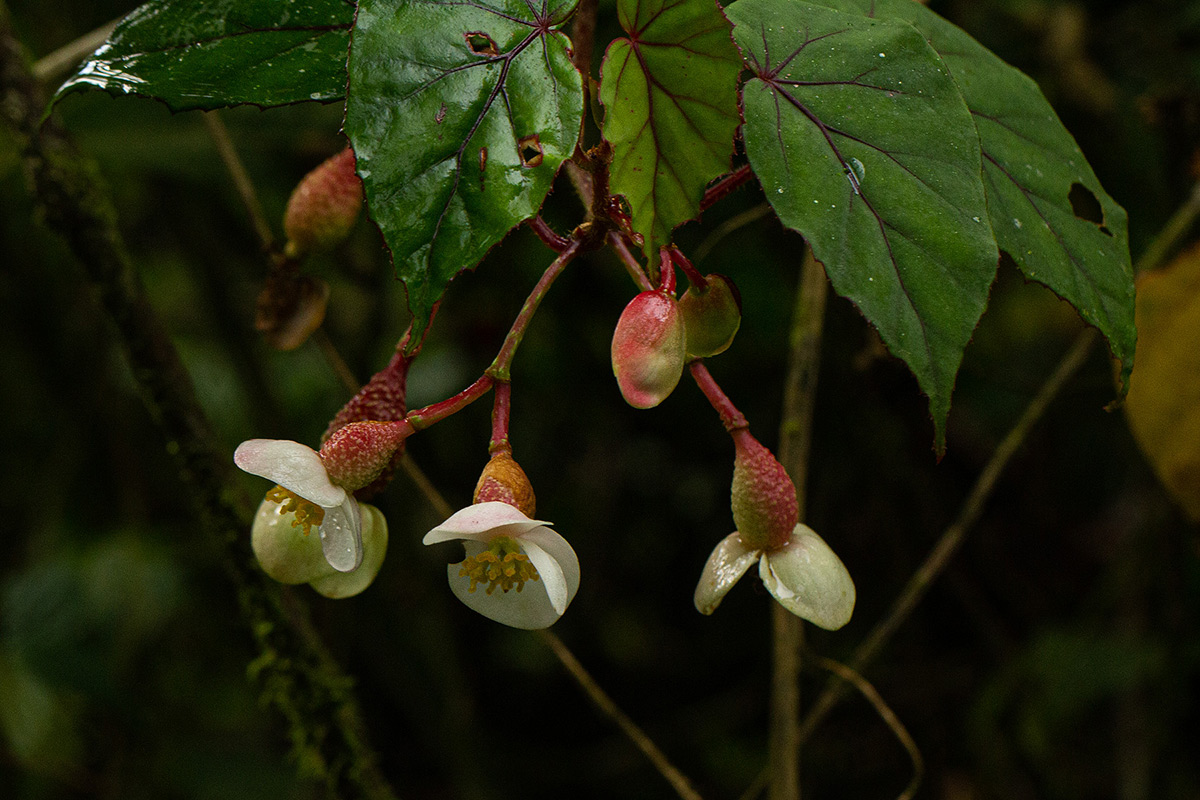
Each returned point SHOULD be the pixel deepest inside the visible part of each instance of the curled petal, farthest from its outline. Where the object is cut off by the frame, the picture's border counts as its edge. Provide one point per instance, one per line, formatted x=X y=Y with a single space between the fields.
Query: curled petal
x=556 y=563
x=341 y=536
x=293 y=466
x=482 y=522
x=809 y=580
x=337 y=585
x=728 y=563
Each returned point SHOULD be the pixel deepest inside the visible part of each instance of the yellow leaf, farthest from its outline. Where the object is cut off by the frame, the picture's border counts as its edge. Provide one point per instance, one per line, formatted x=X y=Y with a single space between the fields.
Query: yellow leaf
x=1163 y=405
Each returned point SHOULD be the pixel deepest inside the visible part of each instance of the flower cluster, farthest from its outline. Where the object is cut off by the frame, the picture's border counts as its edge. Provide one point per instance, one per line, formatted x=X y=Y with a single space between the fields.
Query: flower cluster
x=514 y=568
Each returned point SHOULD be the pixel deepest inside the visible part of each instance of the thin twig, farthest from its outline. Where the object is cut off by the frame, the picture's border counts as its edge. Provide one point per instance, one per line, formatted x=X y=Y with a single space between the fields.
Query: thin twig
x=608 y=708
x=727 y=227
x=241 y=179
x=426 y=487
x=50 y=68
x=935 y=563
x=334 y=358
x=886 y=714
x=1172 y=233
x=795 y=435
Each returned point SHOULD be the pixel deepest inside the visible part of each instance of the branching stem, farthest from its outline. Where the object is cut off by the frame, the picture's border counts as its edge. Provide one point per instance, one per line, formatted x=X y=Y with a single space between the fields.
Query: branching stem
x=500 y=367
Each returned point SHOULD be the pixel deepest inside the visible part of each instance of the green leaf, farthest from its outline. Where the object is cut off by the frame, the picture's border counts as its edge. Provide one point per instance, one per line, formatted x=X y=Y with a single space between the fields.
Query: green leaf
x=863 y=144
x=207 y=55
x=1047 y=208
x=670 y=97
x=460 y=114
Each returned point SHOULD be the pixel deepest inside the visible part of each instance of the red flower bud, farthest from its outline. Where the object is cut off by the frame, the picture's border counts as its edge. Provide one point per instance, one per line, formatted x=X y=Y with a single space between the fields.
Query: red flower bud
x=357 y=453
x=324 y=206
x=765 y=508
x=648 y=349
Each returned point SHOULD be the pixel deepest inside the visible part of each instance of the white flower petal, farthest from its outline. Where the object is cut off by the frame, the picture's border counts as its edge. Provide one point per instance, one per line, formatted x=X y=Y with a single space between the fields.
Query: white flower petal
x=809 y=580
x=482 y=522
x=726 y=565
x=337 y=585
x=563 y=554
x=293 y=466
x=529 y=609
x=550 y=574
x=341 y=536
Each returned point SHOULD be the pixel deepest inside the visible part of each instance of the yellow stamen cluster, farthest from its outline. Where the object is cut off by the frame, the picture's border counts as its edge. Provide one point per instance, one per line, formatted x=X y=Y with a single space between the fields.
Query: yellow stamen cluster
x=307 y=513
x=502 y=564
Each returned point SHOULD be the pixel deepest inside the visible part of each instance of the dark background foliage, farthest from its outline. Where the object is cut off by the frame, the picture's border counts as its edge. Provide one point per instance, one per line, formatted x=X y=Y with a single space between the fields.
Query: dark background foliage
x=1058 y=657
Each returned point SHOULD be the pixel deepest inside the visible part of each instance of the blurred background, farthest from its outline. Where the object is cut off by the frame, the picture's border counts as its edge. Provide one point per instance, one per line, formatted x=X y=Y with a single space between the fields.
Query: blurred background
x=1058 y=657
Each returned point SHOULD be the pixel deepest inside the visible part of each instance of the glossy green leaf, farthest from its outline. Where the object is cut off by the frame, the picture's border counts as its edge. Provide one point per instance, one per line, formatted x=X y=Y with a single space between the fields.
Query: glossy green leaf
x=1047 y=207
x=205 y=54
x=863 y=144
x=670 y=97
x=460 y=115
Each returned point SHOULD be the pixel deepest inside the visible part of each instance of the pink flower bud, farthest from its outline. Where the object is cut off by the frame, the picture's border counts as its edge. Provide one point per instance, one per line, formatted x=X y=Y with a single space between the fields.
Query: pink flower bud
x=711 y=316
x=648 y=349
x=324 y=206
x=765 y=509
x=358 y=453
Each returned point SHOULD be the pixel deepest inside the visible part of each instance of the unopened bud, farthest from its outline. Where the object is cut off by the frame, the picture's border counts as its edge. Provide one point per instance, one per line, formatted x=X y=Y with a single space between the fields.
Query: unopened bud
x=357 y=453
x=324 y=206
x=648 y=349
x=765 y=508
x=504 y=480
x=711 y=316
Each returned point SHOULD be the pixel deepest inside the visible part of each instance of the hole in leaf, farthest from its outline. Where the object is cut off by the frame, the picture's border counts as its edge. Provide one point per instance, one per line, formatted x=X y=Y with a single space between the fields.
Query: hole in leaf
x=1085 y=206
x=530 y=148
x=481 y=44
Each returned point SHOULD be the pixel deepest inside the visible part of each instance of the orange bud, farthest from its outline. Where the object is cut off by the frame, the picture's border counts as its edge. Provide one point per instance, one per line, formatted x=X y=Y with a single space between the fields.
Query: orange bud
x=504 y=480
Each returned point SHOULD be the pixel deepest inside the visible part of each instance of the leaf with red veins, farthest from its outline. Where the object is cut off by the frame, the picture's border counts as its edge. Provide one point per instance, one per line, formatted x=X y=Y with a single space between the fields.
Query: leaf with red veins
x=670 y=98
x=460 y=113
x=864 y=145
x=1046 y=206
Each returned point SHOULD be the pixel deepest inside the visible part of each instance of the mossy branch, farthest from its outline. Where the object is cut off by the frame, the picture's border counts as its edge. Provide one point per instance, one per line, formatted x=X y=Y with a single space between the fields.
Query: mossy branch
x=293 y=671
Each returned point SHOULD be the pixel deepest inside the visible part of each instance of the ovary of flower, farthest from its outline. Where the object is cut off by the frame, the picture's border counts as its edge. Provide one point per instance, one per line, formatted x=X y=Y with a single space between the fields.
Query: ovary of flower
x=804 y=575
x=313 y=497
x=516 y=572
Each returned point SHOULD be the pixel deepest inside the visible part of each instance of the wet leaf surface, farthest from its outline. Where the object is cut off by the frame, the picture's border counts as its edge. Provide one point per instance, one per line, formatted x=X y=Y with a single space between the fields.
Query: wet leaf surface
x=863 y=144
x=1046 y=206
x=460 y=130
x=208 y=55
x=670 y=97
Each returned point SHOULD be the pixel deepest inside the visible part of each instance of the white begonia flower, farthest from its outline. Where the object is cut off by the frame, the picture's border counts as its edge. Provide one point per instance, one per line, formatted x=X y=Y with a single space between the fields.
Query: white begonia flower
x=804 y=575
x=305 y=490
x=516 y=572
x=295 y=556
